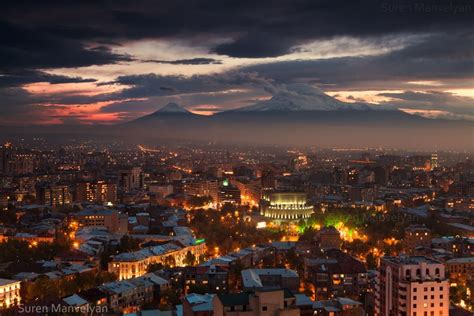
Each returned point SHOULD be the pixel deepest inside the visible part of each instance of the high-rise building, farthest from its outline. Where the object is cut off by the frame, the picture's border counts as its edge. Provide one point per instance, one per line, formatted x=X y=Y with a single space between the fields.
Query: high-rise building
x=96 y=191
x=53 y=195
x=434 y=161
x=131 y=179
x=411 y=286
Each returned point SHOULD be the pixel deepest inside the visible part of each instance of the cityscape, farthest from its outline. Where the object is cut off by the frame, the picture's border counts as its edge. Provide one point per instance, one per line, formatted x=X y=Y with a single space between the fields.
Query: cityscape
x=237 y=158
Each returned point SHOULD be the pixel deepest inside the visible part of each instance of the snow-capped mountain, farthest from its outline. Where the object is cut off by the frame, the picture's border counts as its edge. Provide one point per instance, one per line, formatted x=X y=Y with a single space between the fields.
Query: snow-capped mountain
x=301 y=97
x=173 y=108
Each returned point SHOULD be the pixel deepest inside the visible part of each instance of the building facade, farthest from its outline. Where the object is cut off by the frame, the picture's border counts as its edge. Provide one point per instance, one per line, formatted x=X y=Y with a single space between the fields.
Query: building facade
x=411 y=286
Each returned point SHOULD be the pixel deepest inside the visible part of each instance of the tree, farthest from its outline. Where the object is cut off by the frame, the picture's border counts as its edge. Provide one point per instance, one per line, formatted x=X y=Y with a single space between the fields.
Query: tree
x=198 y=288
x=190 y=259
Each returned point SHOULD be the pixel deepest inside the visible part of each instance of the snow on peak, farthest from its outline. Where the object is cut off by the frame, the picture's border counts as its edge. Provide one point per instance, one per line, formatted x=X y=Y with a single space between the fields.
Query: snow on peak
x=301 y=97
x=173 y=108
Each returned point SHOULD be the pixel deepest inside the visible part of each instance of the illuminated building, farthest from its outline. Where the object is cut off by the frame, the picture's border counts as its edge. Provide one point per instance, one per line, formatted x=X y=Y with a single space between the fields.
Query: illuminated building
x=336 y=274
x=286 y=206
x=250 y=190
x=420 y=162
x=114 y=221
x=9 y=293
x=417 y=236
x=199 y=187
x=97 y=192
x=134 y=264
x=53 y=195
x=228 y=193
x=434 y=161
x=414 y=285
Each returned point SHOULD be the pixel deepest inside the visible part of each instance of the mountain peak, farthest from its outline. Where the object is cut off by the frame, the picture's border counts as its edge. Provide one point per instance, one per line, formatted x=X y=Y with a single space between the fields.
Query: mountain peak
x=300 y=97
x=173 y=108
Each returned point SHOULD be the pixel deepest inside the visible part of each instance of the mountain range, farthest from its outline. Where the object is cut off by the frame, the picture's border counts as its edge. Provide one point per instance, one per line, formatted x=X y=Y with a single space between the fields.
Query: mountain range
x=301 y=114
x=297 y=114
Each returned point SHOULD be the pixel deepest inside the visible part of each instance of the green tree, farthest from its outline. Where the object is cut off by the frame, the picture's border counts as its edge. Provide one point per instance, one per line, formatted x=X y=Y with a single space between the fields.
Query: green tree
x=189 y=259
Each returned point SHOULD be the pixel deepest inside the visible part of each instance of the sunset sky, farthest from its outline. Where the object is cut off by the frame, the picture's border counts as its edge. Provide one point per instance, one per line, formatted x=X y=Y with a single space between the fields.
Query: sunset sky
x=90 y=62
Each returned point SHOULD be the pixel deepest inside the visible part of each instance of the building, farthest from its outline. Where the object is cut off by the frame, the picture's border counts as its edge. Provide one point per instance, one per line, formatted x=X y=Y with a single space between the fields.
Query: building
x=200 y=187
x=198 y=304
x=270 y=279
x=228 y=193
x=336 y=274
x=100 y=192
x=114 y=221
x=53 y=195
x=416 y=236
x=461 y=268
x=213 y=277
x=414 y=286
x=131 y=179
x=339 y=306
x=9 y=293
x=258 y=303
x=328 y=237
x=130 y=295
x=286 y=206
x=459 y=246
x=134 y=264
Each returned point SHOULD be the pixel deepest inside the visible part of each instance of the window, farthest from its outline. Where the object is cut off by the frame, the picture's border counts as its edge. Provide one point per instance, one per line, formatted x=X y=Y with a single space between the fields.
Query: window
x=414 y=305
x=440 y=288
x=432 y=297
x=414 y=290
x=414 y=297
x=432 y=289
x=425 y=297
x=264 y=308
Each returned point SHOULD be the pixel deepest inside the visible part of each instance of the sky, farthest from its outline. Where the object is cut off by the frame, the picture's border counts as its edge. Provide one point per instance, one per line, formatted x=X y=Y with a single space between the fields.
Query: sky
x=105 y=62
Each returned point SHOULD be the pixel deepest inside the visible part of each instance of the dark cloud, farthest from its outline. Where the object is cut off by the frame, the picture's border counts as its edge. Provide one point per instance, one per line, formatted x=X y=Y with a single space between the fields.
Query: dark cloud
x=427 y=58
x=254 y=29
x=27 y=48
x=193 y=61
x=455 y=106
x=22 y=77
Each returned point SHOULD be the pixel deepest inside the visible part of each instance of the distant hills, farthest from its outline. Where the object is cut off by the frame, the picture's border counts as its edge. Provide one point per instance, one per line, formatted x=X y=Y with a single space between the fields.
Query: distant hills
x=296 y=115
x=303 y=115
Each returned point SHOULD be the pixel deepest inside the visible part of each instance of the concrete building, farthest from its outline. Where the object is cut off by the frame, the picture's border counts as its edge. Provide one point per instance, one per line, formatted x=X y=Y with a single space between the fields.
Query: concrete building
x=9 y=293
x=131 y=179
x=411 y=286
x=96 y=192
x=266 y=279
x=416 y=236
x=53 y=195
x=114 y=221
x=259 y=303
x=328 y=237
